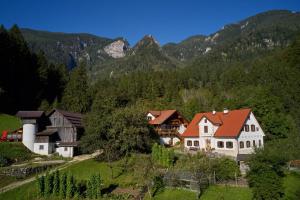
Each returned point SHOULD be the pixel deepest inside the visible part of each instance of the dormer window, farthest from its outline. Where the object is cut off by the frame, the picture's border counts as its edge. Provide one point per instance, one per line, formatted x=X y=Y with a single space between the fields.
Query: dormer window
x=205 y=120
x=205 y=129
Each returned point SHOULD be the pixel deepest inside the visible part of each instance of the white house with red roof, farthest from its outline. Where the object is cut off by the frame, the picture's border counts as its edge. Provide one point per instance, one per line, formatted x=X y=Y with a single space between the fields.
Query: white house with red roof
x=233 y=133
x=169 y=124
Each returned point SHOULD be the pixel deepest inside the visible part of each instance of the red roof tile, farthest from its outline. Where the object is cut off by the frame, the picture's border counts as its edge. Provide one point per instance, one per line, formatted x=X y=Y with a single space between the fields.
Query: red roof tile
x=164 y=115
x=230 y=124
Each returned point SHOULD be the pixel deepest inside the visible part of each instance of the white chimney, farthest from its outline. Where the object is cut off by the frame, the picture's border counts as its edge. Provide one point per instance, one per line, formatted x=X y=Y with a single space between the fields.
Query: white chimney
x=214 y=112
x=225 y=111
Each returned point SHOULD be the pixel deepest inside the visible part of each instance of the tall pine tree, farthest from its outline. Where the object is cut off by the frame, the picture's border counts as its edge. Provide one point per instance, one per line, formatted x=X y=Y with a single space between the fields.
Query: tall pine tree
x=76 y=96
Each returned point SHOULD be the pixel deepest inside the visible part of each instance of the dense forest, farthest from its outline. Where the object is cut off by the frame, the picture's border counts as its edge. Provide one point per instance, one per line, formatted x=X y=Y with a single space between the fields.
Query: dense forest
x=268 y=83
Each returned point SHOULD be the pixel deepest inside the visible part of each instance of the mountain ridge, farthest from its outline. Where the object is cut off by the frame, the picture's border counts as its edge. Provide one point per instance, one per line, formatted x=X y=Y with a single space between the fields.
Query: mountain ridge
x=259 y=33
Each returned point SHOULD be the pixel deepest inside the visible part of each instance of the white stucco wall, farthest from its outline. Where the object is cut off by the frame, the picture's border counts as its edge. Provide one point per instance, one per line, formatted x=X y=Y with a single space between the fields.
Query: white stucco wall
x=167 y=140
x=211 y=127
x=29 y=131
x=191 y=139
x=251 y=136
x=226 y=151
x=244 y=136
x=68 y=152
x=150 y=115
x=48 y=148
x=181 y=129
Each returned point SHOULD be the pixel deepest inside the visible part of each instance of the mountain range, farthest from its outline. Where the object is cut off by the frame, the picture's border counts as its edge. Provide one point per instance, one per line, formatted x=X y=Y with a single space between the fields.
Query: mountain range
x=245 y=39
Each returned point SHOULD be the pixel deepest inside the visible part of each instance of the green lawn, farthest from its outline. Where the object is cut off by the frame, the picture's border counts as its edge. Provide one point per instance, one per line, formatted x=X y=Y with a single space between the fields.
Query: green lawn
x=9 y=122
x=15 y=151
x=227 y=193
x=6 y=180
x=291 y=185
x=81 y=171
x=25 y=192
x=172 y=194
x=212 y=193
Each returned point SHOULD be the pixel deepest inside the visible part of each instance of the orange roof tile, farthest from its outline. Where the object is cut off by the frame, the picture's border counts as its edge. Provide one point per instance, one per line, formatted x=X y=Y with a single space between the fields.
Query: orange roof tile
x=162 y=117
x=230 y=124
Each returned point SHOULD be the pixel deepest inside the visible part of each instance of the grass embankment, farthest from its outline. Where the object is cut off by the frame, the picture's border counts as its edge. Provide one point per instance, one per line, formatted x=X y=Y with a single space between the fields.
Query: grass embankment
x=15 y=151
x=81 y=171
x=291 y=184
x=212 y=193
x=9 y=122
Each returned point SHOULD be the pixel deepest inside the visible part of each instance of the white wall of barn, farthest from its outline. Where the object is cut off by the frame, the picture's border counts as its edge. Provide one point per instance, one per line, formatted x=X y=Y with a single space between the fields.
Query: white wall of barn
x=44 y=148
x=67 y=152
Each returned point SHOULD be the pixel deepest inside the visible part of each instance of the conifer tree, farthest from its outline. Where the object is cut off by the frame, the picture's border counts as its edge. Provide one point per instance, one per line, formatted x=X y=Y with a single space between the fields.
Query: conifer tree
x=48 y=184
x=98 y=185
x=40 y=185
x=76 y=95
x=56 y=182
x=71 y=186
x=63 y=185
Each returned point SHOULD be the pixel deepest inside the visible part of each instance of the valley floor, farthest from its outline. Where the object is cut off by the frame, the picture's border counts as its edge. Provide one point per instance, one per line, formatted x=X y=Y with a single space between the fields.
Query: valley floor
x=114 y=176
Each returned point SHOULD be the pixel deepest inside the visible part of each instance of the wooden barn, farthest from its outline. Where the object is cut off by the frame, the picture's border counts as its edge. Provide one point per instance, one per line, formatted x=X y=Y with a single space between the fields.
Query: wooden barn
x=59 y=131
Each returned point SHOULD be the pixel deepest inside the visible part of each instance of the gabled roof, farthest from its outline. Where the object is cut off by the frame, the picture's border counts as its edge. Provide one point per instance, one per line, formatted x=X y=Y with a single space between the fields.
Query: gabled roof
x=30 y=114
x=161 y=116
x=230 y=124
x=74 y=118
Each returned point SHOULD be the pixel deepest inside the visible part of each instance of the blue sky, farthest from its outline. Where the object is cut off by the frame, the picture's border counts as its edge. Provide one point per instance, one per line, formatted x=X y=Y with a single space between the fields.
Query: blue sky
x=167 y=20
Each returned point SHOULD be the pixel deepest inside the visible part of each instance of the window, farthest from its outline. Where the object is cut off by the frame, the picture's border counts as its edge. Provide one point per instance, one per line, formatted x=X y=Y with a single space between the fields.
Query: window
x=196 y=143
x=248 y=144
x=41 y=147
x=229 y=145
x=205 y=129
x=252 y=127
x=205 y=121
x=257 y=129
x=189 y=143
x=149 y=118
x=254 y=143
x=241 y=145
x=66 y=149
x=259 y=143
x=247 y=128
x=220 y=144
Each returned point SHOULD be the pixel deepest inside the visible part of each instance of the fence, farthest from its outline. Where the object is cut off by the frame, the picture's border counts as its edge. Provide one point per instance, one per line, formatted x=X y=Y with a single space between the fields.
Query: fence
x=198 y=181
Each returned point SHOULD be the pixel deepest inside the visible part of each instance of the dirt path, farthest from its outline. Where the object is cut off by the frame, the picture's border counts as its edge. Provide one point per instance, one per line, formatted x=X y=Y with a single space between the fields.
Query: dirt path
x=75 y=160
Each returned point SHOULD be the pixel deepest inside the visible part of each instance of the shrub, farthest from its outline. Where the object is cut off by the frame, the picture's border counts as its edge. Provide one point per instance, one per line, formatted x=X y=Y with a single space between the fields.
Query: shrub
x=158 y=185
x=162 y=155
x=4 y=161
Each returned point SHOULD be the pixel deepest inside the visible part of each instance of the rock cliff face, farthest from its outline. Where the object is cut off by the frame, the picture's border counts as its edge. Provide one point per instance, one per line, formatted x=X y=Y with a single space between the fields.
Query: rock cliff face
x=116 y=49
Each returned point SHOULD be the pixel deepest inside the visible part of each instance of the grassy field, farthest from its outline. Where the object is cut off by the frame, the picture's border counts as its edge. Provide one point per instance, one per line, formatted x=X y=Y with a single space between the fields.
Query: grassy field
x=15 y=151
x=291 y=185
x=9 y=122
x=81 y=171
x=85 y=169
x=227 y=193
x=172 y=194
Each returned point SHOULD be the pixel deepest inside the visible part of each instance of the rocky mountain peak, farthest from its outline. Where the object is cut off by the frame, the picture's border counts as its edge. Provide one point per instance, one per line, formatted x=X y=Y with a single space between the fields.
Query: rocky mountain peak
x=146 y=42
x=117 y=49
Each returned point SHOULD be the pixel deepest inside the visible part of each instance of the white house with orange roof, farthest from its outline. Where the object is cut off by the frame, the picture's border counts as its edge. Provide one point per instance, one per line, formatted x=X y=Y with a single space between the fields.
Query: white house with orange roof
x=233 y=133
x=169 y=124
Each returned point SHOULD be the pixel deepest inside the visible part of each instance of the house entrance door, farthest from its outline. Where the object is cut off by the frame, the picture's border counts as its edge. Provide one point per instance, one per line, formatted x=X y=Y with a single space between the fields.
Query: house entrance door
x=207 y=145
